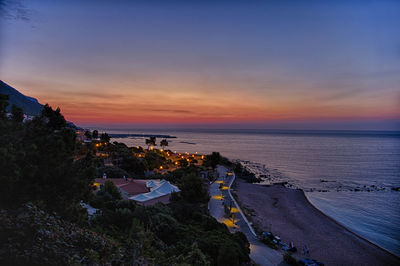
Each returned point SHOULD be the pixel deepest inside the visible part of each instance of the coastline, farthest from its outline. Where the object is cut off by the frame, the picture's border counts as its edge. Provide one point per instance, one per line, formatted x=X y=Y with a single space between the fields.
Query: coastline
x=350 y=231
x=294 y=218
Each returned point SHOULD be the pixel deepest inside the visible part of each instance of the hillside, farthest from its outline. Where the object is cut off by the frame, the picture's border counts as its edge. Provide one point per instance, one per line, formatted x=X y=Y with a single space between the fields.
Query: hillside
x=30 y=105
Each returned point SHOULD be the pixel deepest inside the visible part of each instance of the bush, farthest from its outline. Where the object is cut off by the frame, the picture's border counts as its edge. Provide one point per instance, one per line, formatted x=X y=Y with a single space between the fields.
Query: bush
x=192 y=189
x=112 y=172
x=30 y=236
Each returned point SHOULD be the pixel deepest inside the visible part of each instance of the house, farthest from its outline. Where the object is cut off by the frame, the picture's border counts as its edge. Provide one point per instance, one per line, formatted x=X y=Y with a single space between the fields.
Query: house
x=160 y=191
x=127 y=187
x=144 y=192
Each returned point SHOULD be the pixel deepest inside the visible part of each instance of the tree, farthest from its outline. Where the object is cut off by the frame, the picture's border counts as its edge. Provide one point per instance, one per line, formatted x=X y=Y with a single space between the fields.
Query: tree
x=37 y=162
x=105 y=137
x=108 y=188
x=192 y=189
x=226 y=256
x=3 y=105
x=213 y=159
x=133 y=165
x=54 y=119
x=196 y=257
x=95 y=134
x=88 y=135
x=17 y=114
x=151 y=142
x=164 y=143
x=153 y=160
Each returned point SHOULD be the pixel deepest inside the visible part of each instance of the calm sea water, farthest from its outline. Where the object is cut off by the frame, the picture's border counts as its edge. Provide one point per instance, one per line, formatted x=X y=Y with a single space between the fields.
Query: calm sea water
x=335 y=162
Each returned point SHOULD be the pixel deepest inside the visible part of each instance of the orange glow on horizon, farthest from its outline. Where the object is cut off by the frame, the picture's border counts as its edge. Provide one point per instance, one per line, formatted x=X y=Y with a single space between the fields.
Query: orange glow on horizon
x=194 y=106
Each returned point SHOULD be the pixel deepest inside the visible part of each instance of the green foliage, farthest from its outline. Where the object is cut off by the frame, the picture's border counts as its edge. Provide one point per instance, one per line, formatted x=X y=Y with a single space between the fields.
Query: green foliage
x=17 y=114
x=95 y=134
x=194 y=257
x=133 y=165
x=104 y=137
x=123 y=156
x=88 y=135
x=212 y=160
x=37 y=162
x=192 y=189
x=109 y=190
x=30 y=236
x=112 y=172
x=183 y=163
x=153 y=159
x=151 y=141
x=182 y=233
x=163 y=143
x=54 y=119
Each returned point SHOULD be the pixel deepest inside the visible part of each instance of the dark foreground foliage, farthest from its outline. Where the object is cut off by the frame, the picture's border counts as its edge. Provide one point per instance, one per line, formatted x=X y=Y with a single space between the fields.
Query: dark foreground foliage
x=31 y=236
x=181 y=233
x=46 y=173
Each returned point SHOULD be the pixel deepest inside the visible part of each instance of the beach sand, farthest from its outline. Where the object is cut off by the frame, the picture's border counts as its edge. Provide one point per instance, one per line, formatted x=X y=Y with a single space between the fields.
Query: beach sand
x=289 y=214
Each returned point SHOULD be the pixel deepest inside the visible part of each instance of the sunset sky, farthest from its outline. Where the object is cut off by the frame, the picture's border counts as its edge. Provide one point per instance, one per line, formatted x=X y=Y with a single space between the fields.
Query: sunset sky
x=272 y=64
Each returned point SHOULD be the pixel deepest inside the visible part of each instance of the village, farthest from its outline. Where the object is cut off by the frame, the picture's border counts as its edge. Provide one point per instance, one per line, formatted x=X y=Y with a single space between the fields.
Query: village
x=146 y=188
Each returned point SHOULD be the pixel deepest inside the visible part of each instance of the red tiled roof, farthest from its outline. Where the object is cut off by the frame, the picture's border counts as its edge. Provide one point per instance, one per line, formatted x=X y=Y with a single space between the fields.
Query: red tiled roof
x=130 y=186
x=133 y=188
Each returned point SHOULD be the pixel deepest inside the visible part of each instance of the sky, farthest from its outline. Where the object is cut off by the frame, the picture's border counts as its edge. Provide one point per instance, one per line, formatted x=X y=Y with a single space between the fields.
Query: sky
x=242 y=64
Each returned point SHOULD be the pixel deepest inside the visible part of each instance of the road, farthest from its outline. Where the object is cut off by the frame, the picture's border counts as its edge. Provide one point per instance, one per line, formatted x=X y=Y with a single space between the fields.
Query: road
x=259 y=252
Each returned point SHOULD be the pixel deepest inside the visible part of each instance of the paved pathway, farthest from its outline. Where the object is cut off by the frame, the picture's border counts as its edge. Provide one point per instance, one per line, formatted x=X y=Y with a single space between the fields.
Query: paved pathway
x=259 y=252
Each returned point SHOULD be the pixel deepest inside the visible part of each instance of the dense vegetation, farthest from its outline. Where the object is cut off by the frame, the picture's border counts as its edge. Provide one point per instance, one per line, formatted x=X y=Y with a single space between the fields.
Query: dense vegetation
x=45 y=175
x=37 y=162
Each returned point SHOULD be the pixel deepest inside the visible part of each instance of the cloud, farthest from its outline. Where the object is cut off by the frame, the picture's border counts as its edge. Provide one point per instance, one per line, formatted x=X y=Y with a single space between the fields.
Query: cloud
x=14 y=10
x=97 y=95
x=171 y=111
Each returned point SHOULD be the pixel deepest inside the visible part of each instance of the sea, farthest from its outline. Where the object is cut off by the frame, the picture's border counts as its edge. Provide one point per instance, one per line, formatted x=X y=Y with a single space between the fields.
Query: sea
x=351 y=176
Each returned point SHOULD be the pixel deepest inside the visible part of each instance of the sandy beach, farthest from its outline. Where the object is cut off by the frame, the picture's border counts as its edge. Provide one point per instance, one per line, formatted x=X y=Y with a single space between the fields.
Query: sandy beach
x=288 y=214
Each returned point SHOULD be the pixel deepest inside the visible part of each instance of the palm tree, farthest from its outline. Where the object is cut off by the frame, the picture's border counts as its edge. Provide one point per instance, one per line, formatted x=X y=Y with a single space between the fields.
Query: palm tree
x=95 y=134
x=150 y=142
x=104 y=137
x=164 y=143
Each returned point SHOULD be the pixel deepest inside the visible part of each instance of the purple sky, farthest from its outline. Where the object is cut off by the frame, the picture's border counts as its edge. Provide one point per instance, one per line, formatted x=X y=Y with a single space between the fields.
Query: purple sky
x=264 y=64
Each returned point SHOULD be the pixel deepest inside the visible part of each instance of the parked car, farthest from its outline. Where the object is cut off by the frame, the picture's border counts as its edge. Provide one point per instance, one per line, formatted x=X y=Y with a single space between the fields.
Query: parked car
x=276 y=240
x=268 y=235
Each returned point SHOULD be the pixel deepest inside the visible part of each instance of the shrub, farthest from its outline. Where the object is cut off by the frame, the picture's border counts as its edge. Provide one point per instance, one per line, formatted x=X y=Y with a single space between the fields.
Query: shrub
x=112 y=172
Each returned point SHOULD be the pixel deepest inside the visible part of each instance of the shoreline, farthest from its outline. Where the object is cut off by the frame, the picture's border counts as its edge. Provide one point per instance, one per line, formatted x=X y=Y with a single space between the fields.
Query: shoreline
x=347 y=229
x=271 y=176
x=293 y=217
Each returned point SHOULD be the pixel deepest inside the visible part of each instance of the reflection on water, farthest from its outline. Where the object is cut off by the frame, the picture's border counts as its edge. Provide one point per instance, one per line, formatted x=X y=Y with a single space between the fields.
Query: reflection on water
x=320 y=161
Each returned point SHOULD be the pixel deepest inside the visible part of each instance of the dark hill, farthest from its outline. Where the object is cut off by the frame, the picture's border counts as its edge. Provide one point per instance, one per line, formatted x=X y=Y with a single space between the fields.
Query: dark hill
x=30 y=105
